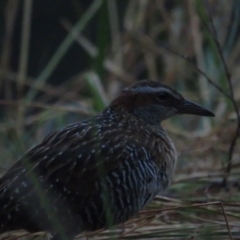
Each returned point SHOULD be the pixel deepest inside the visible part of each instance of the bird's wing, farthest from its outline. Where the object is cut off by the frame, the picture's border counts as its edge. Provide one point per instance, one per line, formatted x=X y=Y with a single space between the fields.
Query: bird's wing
x=74 y=157
x=68 y=165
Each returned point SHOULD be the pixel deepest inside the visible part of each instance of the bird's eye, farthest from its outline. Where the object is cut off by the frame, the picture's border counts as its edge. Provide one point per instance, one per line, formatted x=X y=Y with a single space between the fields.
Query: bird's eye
x=162 y=96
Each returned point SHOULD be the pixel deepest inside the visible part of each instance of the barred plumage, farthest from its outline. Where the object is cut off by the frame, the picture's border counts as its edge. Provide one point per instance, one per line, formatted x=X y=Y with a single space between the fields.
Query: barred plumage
x=99 y=172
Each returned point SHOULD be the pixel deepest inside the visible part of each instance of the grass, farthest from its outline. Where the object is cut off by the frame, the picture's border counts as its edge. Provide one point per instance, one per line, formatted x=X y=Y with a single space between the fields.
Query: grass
x=173 y=43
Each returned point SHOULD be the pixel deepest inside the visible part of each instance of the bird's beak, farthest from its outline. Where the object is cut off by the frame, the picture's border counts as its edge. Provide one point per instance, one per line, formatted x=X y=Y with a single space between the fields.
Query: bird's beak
x=187 y=107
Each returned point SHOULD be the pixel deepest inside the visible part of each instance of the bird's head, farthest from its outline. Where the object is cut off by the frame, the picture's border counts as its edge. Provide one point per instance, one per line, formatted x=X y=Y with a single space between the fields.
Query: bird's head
x=154 y=102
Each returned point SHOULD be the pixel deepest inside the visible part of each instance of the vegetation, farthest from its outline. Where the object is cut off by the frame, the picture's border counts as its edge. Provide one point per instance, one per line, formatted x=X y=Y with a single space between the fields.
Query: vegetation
x=93 y=51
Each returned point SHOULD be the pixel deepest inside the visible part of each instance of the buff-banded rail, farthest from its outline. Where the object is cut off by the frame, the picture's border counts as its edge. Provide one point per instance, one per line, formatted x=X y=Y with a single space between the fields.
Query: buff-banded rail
x=99 y=172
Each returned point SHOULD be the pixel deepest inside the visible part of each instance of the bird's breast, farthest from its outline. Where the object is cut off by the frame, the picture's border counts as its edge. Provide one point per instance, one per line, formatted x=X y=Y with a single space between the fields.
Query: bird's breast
x=166 y=156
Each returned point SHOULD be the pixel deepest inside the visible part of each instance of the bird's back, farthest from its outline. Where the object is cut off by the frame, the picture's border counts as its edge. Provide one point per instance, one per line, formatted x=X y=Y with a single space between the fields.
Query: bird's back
x=87 y=176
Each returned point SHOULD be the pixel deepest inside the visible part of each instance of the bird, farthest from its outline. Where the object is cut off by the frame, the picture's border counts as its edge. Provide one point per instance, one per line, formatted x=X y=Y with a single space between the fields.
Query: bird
x=99 y=172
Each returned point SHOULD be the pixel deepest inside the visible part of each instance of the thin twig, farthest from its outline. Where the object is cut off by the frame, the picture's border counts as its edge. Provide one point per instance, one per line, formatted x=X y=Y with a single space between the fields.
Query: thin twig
x=45 y=87
x=77 y=109
x=214 y=36
x=92 y=50
x=147 y=221
x=194 y=205
x=10 y=15
x=23 y=61
x=227 y=223
x=63 y=48
x=189 y=61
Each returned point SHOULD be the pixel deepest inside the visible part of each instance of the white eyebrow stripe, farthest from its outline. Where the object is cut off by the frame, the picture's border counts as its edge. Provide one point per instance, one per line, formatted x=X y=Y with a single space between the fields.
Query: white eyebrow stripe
x=147 y=89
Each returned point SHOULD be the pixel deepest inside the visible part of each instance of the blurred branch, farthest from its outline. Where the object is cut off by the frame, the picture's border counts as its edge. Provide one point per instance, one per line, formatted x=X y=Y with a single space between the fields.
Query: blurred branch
x=59 y=109
x=45 y=87
x=210 y=81
x=92 y=50
x=77 y=109
x=62 y=49
x=99 y=97
x=198 y=43
x=152 y=46
x=213 y=34
x=24 y=48
x=6 y=44
x=23 y=60
x=117 y=50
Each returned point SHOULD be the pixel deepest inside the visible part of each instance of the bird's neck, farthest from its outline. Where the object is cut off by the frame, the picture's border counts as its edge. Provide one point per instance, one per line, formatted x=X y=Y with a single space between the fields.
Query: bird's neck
x=128 y=118
x=159 y=140
x=139 y=114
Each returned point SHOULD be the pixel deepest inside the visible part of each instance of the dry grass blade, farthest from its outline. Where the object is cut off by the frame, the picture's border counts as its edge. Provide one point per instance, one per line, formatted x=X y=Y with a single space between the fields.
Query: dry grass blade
x=92 y=50
x=23 y=60
x=226 y=220
x=64 y=47
x=232 y=98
